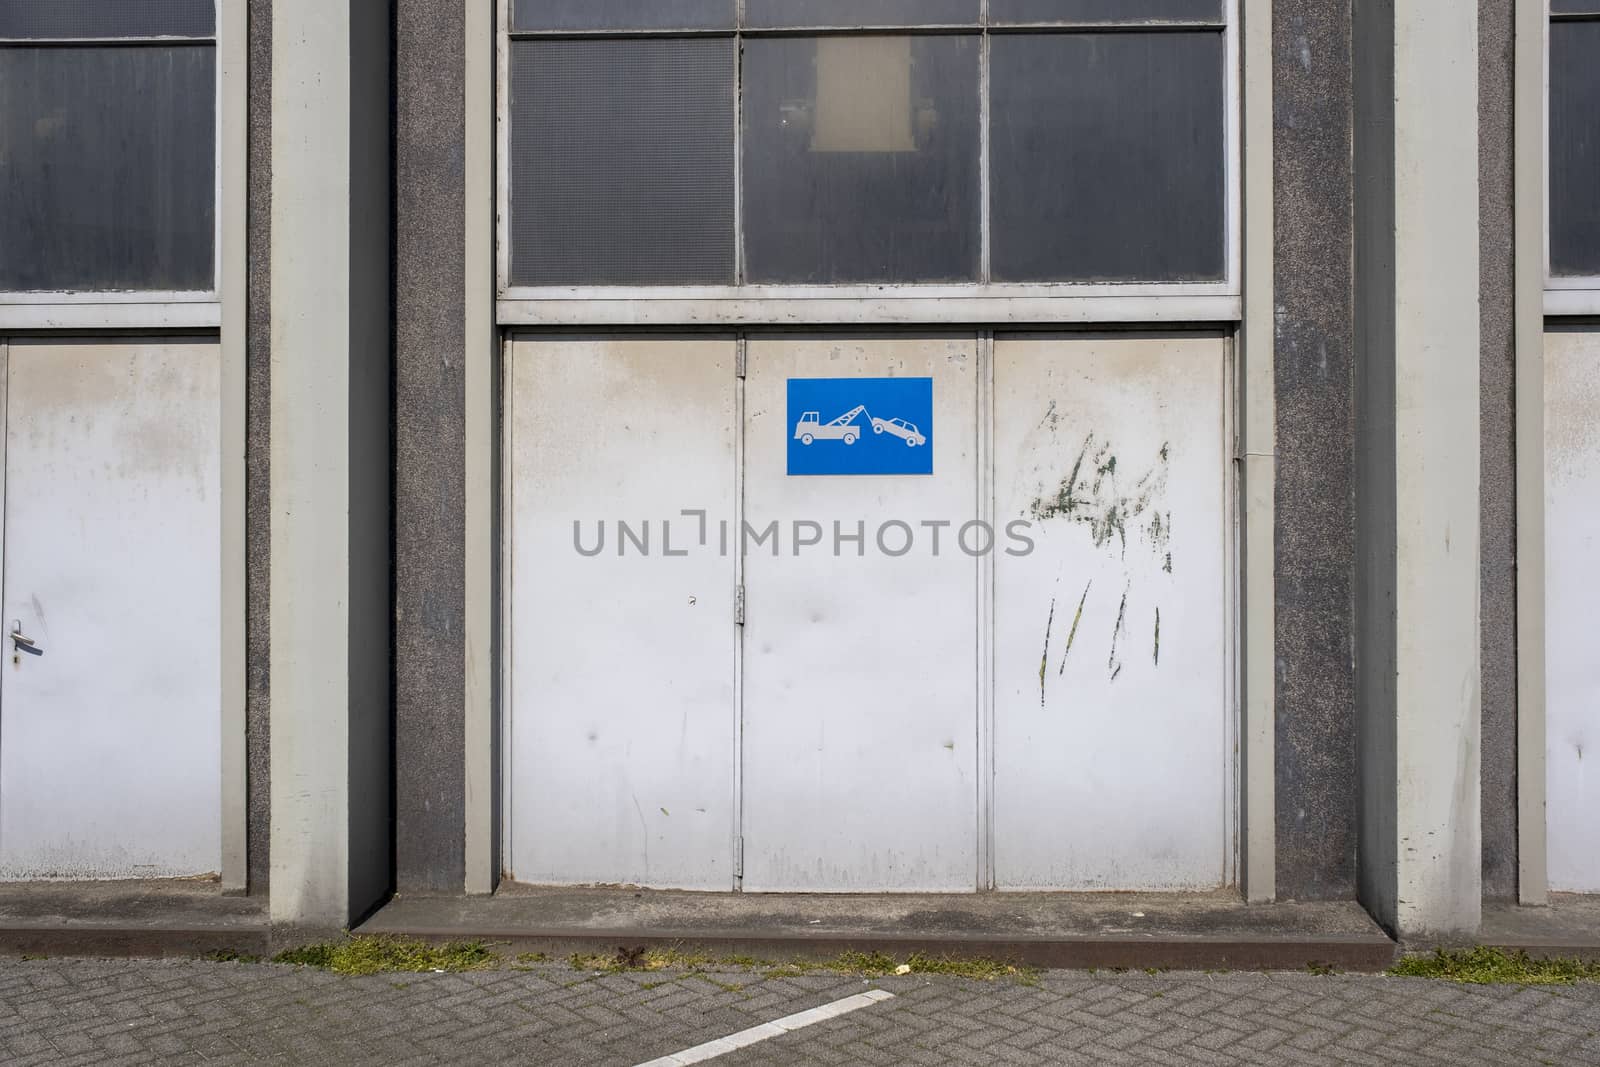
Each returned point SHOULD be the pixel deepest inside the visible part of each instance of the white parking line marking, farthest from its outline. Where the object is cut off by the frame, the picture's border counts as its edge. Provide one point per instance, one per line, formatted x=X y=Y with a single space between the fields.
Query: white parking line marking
x=777 y=1028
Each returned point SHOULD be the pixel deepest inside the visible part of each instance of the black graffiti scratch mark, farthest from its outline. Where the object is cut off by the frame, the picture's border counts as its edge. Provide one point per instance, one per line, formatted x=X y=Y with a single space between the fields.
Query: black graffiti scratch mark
x=1051 y=418
x=1090 y=495
x=1113 y=664
x=1072 y=634
x=1044 y=660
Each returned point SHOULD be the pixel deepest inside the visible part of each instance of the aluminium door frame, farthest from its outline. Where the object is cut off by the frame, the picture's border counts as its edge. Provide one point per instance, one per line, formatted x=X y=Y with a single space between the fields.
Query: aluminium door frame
x=1233 y=610
x=232 y=769
x=1249 y=312
x=221 y=315
x=976 y=304
x=1233 y=615
x=175 y=310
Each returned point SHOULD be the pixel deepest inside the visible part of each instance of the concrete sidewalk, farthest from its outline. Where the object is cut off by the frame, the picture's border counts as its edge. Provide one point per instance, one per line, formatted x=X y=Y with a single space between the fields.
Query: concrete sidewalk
x=1136 y=930
x=181 y=917
x=169 y=1011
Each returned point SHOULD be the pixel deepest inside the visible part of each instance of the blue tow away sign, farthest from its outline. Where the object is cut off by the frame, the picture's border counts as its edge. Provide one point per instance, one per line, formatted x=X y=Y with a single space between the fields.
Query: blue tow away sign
x=860 y=426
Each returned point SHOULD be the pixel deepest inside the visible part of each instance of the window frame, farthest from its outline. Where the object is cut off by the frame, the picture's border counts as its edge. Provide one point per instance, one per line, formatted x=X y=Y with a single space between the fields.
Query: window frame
x=139 y=309
x=983 y=301
x=1564 y=294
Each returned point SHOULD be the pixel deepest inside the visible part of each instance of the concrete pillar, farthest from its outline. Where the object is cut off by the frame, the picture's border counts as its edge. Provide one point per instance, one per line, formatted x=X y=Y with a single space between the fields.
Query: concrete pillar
x=1417 y=602
x=330 y=629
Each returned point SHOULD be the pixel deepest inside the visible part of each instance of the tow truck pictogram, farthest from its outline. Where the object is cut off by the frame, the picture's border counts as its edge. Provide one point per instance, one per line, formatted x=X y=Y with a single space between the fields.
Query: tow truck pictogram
x=811 y=428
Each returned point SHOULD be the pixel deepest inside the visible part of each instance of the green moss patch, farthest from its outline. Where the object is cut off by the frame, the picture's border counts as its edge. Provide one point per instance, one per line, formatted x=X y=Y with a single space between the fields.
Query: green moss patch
x=1493 y=966
x=379 y=955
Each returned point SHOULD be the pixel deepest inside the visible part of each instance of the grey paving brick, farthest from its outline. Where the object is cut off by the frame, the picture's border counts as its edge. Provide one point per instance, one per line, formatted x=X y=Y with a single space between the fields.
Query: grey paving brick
x=165 y=1011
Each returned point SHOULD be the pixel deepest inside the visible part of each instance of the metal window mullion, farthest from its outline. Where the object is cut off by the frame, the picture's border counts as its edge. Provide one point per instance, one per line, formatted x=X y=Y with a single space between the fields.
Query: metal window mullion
x=1556 y=283
x=985 y=629
x=502 y=164
x=1233 y=208
x=1233 y=148
x=985 y=252
x=218 y=192
x=738 y=150
x=1549 y=273
x=742 y=361
x=101 y=42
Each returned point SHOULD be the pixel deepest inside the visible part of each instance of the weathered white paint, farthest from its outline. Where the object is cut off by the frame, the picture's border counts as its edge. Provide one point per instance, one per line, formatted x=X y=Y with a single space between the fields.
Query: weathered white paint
x=1532 y=24
x=109 y=315
x=233 y=256
x=1437 y=595
x=860 y=672
x=1418 y=590
x=889 y=304
x=1113 y=729
x=331 y=608
x=621 y=724
x=110 y=757
x=1558 y=302
x=479 y=381
x=1257 y=470
x=1572 y=547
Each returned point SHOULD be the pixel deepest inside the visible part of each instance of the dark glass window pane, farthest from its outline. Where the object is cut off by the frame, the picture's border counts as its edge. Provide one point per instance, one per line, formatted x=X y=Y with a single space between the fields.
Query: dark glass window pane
x=624 y=15
x=91 y=19
x=1107 y=157
x=1575 y=148
x=622 y=162
x=107 y=167
x=1010 y=12
x=861 y=159
x=807 y=14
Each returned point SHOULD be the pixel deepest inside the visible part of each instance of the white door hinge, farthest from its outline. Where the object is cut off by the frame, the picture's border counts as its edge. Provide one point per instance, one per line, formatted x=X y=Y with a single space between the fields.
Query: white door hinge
x=739 y=360
x=738 y=607
x=738 y=856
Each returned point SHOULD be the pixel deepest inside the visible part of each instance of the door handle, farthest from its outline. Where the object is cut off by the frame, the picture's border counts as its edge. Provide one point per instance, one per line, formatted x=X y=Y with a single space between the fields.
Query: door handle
x=21 y=643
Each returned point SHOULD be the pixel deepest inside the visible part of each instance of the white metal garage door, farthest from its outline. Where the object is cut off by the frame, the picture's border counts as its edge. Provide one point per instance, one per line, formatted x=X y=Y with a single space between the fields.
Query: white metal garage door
x=906 y=701
x=1572 y=568
x=1113 y=713
x=622 y=725
x=860 y=710
x=110 y=738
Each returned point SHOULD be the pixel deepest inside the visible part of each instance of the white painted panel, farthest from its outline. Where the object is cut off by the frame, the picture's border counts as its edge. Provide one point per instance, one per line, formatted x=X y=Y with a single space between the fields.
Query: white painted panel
x=1572 y=568
x=860 y=684
x=621 y=736
x=1112 y=738
x=110 y=743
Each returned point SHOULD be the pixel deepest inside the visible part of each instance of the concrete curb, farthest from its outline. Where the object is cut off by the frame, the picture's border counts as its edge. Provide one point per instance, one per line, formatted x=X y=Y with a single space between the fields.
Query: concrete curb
x=110 y=940
x=1343 y=954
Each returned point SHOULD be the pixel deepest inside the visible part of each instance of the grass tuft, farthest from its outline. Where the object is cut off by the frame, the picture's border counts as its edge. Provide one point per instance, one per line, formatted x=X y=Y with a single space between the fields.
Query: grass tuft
x=861 y=964
x=640 y=959
x=377 y=955
x=1493 y=966
x=879 y=965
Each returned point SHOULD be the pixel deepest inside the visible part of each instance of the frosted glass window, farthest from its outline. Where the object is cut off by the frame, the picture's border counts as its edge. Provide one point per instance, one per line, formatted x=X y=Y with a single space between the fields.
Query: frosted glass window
x=861 y=159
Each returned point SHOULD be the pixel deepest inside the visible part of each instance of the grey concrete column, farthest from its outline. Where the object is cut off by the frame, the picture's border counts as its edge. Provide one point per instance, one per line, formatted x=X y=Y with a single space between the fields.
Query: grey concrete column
x=1417 y=590
x=1313 y=445
x=430 y=490
x=330 y=476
